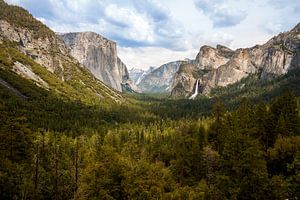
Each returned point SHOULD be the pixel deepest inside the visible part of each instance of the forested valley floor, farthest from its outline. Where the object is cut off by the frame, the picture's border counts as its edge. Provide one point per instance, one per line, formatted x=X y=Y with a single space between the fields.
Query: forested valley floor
x=150 y=147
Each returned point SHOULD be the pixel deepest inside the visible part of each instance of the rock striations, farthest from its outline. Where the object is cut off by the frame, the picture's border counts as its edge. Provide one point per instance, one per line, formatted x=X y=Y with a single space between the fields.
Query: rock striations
x=221 y=66
x=99 y=55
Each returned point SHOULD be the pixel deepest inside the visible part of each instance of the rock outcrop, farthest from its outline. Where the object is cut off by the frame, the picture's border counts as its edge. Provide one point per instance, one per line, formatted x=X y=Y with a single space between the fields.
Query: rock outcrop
x=49 y=51
x=30 y=47
x=99 y=56
x=160 y=79
x=221 y=66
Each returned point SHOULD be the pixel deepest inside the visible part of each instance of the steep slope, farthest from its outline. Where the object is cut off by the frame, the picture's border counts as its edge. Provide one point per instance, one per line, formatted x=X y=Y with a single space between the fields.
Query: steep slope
x=99 y=56
x=12 y=89
x=33 y=51
x=220 y=66
x=160 y=79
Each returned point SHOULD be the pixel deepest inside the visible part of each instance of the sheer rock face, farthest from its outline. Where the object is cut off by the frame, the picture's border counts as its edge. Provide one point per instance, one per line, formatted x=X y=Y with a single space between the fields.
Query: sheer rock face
x=51 y=52
x=211 y=58
x=220 y=66
x=184 y=80
x=99 y=55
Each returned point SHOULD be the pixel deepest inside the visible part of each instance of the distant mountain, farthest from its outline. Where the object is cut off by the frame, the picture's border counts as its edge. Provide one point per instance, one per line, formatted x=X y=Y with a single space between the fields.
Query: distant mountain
x=221 y=66
x=135 y=74
x=99 y=56
x=30 y=50
x=159 y=80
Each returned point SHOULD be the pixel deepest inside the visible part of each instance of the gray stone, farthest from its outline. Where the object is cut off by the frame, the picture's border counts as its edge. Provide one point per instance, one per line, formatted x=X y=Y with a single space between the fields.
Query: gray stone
x=160 y=79
x=99 y=56
x=221 y=66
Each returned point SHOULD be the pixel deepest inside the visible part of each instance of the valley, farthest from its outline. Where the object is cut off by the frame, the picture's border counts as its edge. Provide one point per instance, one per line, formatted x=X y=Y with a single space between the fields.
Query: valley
x=75 y=123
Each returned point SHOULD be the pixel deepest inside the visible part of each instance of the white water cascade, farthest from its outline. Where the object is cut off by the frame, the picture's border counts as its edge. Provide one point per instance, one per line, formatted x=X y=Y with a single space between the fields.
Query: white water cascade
x=196 y=91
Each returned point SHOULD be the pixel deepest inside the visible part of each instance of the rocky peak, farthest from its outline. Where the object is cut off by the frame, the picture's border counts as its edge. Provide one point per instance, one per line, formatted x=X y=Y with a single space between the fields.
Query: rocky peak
x=225 y=51
x=49 y=51
x=211 y=58
x=99 y=55
x=221 y=66
x=32 y=47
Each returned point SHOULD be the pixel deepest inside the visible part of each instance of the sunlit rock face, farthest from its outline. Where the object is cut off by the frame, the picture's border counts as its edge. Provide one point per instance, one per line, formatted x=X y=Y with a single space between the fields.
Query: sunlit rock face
x=221 y=66
x=99 y=55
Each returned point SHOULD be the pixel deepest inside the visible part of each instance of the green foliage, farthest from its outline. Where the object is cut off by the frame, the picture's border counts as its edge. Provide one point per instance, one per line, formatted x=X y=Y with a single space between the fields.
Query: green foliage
x=67 y=143
x=64 y=144
x=72 y=142
x=256 y=89
x=80 y=86
x=122 y=152
x=23 y=19
x=243 y=163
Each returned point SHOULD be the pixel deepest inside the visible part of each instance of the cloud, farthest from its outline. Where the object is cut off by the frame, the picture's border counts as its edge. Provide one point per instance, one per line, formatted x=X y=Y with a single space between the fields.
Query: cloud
x=167 y=32
x=287 y=15
x=221 y=12
x=148 y=24
x=143 y=57
x=125 y=24
x=14 y=2
x=132 y=24
x=273 y=27
x=282 y=4
x=153 y=9
x=297 y=8
x=64 y=11
x=151 y=32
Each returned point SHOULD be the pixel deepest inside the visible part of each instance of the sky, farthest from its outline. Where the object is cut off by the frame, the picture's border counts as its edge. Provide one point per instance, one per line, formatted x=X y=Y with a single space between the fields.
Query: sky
x=154 y=32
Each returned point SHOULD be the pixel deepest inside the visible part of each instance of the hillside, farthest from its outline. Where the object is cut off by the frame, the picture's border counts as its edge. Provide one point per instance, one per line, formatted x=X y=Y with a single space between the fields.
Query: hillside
x=65 y=135
x=33 y=51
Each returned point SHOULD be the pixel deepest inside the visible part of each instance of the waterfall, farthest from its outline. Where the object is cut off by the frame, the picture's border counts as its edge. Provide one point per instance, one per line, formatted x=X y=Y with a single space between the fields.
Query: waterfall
x=196 y=90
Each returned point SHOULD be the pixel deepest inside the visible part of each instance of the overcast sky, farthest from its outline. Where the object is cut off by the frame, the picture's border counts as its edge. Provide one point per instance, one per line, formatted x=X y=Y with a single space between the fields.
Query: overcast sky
x=153 y=32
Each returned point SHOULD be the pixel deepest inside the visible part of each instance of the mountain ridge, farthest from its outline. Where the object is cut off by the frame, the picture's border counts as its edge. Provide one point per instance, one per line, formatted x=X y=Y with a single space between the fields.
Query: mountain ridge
x=221 y=66
x=41 y=56
x=99 y=55
x=159 y=79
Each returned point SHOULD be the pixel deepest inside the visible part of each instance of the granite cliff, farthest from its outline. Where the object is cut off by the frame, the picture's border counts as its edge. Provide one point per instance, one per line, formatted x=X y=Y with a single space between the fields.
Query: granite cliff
x=99 y=56
x=33 y=51
x=221 y=66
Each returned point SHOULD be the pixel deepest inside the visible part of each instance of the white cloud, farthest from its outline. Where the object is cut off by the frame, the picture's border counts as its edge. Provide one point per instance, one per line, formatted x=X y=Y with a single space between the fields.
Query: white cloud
x=221 y=38
x=282 y=4
x=15 y=2
x=222 y=12
x=273 y=27
x=144 y=57
x=128 y=24
x=153 y=9
x=152 y=32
